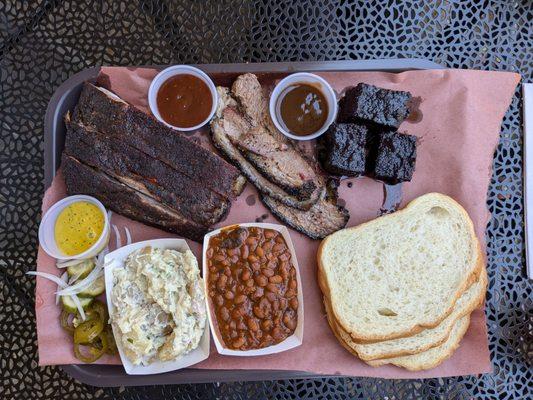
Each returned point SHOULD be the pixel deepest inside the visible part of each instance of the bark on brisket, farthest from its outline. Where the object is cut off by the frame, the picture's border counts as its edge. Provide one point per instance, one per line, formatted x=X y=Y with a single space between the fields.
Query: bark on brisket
x=249 y=127
x=222 y=142
x=278 y=162
x=322 y=219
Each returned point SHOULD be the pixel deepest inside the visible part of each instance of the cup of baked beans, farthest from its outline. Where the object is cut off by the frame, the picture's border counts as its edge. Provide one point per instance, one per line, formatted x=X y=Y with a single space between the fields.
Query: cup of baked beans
x=254 y=290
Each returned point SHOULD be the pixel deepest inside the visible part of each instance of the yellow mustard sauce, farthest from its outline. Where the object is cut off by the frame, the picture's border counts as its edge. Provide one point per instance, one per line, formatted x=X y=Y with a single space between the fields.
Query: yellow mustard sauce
x=78 y=227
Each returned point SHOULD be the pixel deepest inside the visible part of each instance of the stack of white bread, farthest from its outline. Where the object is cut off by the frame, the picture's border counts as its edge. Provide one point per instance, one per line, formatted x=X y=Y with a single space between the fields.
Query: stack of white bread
x=400 y=289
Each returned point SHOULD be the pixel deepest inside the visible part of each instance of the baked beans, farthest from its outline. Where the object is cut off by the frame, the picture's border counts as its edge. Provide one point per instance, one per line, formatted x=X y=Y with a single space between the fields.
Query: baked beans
x=252 y=287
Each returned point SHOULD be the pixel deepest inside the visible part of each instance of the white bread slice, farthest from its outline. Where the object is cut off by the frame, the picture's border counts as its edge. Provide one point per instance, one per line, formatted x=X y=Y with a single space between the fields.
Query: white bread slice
x=430 y=358
x=428 y=338
x=472 y=298
x=341 y=336
x=401 y=273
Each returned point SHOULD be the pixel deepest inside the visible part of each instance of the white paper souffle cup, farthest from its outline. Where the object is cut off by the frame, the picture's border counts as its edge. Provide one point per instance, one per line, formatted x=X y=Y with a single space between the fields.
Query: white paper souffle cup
x=303 y=78
x=47 y=229
x=169 y=72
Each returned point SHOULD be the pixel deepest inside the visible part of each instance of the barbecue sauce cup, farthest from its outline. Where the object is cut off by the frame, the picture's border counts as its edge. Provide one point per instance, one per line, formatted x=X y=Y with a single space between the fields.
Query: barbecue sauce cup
x=303 y=106
x=183 y=97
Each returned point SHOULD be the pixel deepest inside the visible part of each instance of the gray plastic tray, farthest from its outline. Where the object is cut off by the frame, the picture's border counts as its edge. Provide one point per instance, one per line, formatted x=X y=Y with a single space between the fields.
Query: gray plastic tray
x=65 y=98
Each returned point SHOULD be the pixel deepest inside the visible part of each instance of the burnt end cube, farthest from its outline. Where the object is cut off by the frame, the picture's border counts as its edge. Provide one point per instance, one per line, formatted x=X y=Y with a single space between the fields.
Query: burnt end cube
x=395 y=157
x=370 y=103
x=343 y=149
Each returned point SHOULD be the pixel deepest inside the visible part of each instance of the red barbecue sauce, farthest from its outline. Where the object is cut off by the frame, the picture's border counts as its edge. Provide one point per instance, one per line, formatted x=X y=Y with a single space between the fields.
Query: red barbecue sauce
x=184 y=101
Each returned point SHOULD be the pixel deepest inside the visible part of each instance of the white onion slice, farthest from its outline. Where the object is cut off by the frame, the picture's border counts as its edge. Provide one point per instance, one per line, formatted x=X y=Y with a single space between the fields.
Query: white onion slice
x=50 y=277
x=117 y=237
x=64 y=279
x=68 y=263
x=100 y=257
x=80 y=285
x=74 y=278
x=78 y=306
x=128 y=235
x=83 y=284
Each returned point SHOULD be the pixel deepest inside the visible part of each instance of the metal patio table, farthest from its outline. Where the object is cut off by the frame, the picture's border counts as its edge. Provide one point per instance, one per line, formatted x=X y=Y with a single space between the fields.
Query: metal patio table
x=42 y=43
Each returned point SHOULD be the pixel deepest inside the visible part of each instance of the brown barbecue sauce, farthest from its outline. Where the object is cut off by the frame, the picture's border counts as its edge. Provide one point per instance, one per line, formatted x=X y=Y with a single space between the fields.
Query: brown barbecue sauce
x=184 y=101
x=303 y=109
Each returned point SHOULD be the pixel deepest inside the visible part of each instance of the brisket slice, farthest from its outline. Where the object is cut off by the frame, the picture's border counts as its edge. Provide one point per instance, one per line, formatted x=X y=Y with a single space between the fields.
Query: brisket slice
x=277 y=162
x=146 y=174
x=249 y=128
x=223 y=143
x=106 y=113
x=254 y=103
x=220 y=126
x=82 y=179
x=248 y=92
x=322 y=219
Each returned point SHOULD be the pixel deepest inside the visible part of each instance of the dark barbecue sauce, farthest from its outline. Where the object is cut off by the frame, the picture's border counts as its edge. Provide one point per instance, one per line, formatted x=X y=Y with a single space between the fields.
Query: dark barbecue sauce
x=184 y=101
x=303 y=109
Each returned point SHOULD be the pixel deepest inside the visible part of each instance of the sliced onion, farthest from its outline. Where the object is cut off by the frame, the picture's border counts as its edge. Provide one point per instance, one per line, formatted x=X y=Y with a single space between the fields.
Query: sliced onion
x=83 y=284
x=117 y=237
x=128 y=235
x=64 y=279
x=50 y=277
x=80 y=285
x=74 y=278
x=68 y=263
x=100 y=257
x=78 y=306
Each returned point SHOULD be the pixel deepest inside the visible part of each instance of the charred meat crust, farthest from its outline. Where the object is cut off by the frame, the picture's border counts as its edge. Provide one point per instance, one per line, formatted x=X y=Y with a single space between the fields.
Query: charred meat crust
x=267 y=155
x=343 y=149
x=148 y=175
x=373 y=104
x=96 y=108
x=82 y=179
x=395 y=158
x=322 y=219
x=302 y=193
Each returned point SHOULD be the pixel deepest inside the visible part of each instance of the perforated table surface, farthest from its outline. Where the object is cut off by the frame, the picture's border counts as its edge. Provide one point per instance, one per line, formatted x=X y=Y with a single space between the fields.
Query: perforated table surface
x=42 y=43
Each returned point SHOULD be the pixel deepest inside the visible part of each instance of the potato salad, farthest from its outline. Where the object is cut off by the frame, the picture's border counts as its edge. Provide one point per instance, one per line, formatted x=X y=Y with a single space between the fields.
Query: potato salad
x=159 y=305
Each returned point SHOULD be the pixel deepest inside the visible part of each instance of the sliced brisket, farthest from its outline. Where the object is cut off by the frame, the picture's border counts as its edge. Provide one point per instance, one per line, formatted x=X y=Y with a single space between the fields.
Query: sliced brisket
x=279 y=163
x=82 y=179
x=220 y=127
x=321 y=220
x=248 y=125
x=106 y=113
